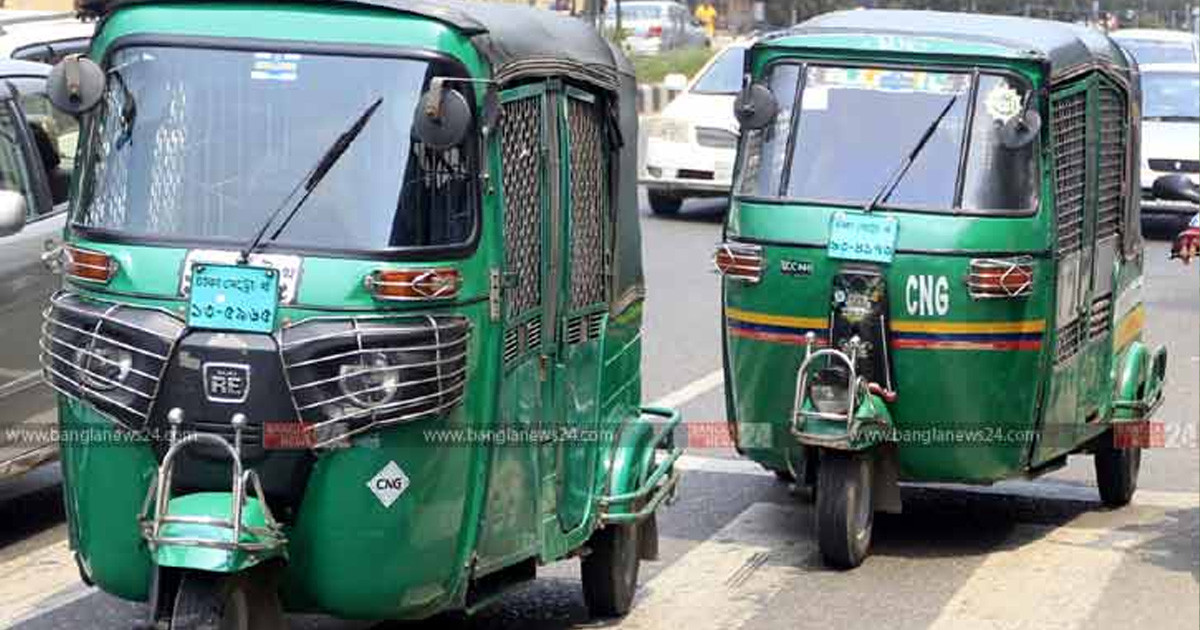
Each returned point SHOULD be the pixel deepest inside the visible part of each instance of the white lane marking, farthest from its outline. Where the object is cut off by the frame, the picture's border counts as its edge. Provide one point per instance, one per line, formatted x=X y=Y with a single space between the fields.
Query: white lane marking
x=35 y=578
x=692 y=390
x=726 y=580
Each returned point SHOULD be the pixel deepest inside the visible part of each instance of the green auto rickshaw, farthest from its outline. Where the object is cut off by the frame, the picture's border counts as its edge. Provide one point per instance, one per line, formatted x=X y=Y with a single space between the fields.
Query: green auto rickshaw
x=351 y=313
x=932 y=261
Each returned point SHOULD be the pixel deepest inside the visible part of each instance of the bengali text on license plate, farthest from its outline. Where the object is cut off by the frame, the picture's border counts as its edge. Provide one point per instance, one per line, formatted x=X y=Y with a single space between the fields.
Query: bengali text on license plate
x=859 y=236
x=233 y=297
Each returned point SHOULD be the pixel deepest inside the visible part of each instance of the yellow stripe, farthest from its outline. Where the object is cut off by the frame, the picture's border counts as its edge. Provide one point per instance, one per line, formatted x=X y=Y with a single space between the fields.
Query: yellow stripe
x=1029 y=326
x=775 y=320
x=1130 y=326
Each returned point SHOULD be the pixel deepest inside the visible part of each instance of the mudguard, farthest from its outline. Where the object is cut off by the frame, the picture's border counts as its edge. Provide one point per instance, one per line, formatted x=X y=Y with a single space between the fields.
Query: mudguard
x=637 y=484
x=1139 y=382
x=195 y=554
x=874 y=423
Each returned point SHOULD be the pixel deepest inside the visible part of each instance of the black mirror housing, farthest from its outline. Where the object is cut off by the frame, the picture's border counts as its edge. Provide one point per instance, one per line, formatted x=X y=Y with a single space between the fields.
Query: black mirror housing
x=1176 y=187
x=443 y=117
x=755 y=107
x=76 y=85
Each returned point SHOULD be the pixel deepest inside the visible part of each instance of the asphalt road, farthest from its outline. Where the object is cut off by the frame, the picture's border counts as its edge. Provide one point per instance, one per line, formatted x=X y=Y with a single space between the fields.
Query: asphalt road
x=738 y=549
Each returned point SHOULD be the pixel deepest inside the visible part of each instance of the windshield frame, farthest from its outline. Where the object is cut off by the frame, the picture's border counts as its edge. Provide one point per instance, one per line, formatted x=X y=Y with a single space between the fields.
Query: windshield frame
x=974 y=71
x=476 y=152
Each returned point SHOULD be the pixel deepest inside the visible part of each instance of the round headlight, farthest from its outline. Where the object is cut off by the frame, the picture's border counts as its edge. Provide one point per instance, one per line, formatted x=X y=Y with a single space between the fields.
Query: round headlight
x=105 y=366
x=829 y=391
x=371 y=381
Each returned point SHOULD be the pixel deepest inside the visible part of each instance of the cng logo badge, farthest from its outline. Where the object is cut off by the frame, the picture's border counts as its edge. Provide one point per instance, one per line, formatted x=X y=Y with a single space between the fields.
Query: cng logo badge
x=388 y=484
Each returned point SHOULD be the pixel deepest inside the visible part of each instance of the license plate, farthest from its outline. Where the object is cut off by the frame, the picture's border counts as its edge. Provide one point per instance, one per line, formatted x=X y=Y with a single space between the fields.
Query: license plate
x=233 y=297
x=861 y=236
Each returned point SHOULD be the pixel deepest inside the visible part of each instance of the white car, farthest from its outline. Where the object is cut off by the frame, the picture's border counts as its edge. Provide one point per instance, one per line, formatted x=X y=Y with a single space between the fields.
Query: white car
x=655 y=26
x=1170 y=131
x=1151 y=45
x=691 y=146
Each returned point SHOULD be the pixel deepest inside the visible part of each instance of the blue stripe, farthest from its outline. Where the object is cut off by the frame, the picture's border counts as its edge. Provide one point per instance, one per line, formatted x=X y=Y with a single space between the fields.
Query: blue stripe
x=779 y=330
x=983 y=337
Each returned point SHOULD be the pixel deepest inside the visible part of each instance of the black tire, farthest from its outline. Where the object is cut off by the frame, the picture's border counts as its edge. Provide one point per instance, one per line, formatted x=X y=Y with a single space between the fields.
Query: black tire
x=664 y=204
x=1117 y=472
x=845 y=515
x=783 y=476
x=209 y=601
x=610 y=570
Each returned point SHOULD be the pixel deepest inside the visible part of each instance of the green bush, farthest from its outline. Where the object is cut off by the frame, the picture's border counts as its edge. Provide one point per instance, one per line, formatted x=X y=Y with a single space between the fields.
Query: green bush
x=686 y=61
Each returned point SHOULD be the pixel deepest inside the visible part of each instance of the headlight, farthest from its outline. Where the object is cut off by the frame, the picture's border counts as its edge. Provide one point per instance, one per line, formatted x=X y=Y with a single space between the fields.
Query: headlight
x=829 y=390
x=670 y=130
x=369 y=382
x=105 y=367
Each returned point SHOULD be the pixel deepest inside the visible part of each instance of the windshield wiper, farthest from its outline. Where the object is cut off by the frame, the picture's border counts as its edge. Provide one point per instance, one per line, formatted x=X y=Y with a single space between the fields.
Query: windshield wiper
x=311 y=179
x=897 y=176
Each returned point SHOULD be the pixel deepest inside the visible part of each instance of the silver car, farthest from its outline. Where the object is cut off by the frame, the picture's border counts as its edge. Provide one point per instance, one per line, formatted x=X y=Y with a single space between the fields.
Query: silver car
x=652 y=27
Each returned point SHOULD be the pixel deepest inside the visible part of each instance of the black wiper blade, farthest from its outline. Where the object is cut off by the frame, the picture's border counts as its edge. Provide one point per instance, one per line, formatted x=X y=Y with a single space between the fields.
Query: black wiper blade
x=897 y=176
x=311 y=180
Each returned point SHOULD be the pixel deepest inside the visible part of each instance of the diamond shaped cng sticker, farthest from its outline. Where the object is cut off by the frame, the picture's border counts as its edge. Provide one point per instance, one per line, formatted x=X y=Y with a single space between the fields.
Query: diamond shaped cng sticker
x=388 y=484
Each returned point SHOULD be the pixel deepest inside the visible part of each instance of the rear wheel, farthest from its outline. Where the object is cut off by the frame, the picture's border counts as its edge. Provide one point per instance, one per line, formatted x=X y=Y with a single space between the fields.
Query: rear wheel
x=664 y=204
x=845 y=515
x=208 y=601
x=610 y=570
x=1117 y=471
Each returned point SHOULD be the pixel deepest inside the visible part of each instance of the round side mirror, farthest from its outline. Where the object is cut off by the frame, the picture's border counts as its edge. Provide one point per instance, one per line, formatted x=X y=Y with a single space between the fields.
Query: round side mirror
x=443 y=118
x=1021 y=130
x=1176 y=187
x=75 y=85
x=755 y=107
x=12 y=212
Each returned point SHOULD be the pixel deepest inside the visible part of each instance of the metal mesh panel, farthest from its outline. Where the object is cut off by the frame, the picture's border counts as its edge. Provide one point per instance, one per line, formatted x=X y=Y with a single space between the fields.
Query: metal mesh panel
x=587 y=204
x=1070 y=168
x=1069 y=339
x=1101 y=314
x=1111 y=182
x=521 y=145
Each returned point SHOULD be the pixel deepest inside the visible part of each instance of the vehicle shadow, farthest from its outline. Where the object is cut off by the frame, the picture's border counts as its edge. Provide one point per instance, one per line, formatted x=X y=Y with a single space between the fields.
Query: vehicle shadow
x=29 y=505
x=694 y=211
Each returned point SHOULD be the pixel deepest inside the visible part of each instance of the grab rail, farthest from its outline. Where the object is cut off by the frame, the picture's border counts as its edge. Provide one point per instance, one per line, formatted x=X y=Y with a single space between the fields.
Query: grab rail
x=661 y=482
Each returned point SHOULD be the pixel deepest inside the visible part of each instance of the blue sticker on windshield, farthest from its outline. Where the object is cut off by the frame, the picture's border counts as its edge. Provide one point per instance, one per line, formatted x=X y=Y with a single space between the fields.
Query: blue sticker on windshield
x=275 y=67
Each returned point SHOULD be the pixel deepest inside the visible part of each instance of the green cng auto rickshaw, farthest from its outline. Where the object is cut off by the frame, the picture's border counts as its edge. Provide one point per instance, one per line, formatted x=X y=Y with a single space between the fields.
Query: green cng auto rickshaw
x=351 y=311
x=932 y=261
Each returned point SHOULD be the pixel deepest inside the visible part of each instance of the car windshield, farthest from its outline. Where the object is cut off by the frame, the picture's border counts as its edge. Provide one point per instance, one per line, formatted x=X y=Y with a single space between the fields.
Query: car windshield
x=200 y=145
x=1171 y=96
x=724 y=74
x=1148 y=51
x=637 y=11
x=855 y=126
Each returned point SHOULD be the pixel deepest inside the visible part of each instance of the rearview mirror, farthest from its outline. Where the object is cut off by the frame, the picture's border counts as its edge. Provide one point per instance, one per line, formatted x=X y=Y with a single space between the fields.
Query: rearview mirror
x=1021 y=130
x=443 y=117
x=75 y=85
x=12 y=212
x=1176 y=187
x=755 y=107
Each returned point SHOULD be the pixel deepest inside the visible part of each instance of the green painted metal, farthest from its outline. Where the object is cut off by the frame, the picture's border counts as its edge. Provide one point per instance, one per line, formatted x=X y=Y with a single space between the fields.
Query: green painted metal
x=477 y=503
x=213 y=505
x=1035 y=410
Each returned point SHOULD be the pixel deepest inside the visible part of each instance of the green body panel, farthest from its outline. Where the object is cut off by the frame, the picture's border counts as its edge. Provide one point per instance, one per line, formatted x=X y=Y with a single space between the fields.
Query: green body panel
x=212 y=505
x=105 y=484
x=474 y=506
x=965 y=411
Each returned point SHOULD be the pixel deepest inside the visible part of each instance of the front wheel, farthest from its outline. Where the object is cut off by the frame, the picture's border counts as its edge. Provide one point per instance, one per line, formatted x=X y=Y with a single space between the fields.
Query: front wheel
x=610 y=570
x=845 y=514
x=209 y=601
x=664 y=204
x=1117 y=471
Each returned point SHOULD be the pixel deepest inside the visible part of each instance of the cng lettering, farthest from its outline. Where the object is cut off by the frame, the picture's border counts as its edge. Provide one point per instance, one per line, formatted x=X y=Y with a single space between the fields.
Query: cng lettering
x=927 y=295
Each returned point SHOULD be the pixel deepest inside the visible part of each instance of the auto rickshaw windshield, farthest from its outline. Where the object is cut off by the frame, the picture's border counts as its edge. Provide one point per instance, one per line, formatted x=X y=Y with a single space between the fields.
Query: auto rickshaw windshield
x=203 y=144
x=855 y=125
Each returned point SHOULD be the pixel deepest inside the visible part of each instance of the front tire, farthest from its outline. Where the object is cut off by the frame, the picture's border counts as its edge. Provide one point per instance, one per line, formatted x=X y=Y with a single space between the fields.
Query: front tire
x=845 y=515
x=1117 y=471
x=209 y=601
x=664 y=204
x=610 y=570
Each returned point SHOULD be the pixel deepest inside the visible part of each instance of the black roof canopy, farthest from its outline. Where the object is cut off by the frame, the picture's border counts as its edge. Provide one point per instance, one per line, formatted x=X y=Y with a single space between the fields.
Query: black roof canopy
x=1064 y=47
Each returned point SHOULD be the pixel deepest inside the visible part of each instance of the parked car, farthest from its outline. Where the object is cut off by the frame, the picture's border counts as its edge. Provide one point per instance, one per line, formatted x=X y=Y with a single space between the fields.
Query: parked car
x=1170 y=132
x=690 y=147
x=43 y=36
x=37 y=146
x=1149 y=45
x=653 y=27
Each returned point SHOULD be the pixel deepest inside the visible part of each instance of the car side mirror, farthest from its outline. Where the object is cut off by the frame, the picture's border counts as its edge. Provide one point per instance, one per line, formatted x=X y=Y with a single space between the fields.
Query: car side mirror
x=443 y=116
x=75 y=85
x=1021 y=130
x=1176 y=187
x=12 y=212
x=755 y=107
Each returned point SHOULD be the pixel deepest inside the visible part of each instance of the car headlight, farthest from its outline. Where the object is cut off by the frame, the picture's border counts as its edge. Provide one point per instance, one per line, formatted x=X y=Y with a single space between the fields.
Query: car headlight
x=829 y=390
x=105 y=366
x=369 y=382
x=670 y=130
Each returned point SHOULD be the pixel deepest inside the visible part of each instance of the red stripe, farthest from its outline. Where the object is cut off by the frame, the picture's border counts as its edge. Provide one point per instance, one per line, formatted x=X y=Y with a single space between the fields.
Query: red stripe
x=940 y=344
x=757 y=335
